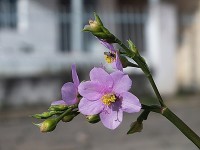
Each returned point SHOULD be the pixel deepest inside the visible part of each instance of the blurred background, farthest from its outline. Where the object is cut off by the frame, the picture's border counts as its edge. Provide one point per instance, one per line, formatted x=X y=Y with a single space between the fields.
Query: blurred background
x=40 y=39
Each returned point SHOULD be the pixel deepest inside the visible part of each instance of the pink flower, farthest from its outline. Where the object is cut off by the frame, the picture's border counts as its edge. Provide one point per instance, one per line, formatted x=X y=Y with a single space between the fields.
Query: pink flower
x=69 y=90
x=112 y=56
x=107 y=95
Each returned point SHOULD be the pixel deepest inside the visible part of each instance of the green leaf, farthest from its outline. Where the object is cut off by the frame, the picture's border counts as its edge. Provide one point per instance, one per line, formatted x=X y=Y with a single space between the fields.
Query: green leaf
x=135 y=127
x=149 y=101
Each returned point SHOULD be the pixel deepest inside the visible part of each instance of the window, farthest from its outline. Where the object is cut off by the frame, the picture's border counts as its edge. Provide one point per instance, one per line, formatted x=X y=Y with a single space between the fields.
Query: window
x=65 y=33
x=131 y=21
x=64 y=23
x=8 y=14
x=89 y=7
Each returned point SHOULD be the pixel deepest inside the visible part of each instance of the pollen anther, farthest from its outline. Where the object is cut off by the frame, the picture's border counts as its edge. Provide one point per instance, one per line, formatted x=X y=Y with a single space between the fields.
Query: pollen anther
x=107 y=99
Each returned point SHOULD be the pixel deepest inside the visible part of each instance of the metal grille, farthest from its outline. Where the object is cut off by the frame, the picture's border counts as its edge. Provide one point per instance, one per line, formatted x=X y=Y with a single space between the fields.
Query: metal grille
x=129 y=23
x=64 y=25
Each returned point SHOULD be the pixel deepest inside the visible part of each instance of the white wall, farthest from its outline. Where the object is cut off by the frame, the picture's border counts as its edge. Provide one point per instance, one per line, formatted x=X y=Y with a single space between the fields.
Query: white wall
x=161 y=32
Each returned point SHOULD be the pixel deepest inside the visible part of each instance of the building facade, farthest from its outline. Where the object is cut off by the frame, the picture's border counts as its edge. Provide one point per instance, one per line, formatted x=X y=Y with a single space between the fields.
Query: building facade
x=40 y=38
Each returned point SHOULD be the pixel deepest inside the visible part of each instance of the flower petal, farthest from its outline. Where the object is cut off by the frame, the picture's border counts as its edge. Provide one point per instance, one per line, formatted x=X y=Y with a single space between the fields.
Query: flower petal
x=108 y=45
x=59 y=102
x=130 y=103
x=111 y=118
x=117 y=64
x=122 y=82
x=91 y=90
x=69 y=93
x=101 y=76
x=75 y=76
x=88 y=107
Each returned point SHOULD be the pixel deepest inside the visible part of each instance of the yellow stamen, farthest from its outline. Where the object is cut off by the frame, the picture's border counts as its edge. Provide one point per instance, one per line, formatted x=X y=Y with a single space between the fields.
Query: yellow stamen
x=107 y=99
x=110 y=58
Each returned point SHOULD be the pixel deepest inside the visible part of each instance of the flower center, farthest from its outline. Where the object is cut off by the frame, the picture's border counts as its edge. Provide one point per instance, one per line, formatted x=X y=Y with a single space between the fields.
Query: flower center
x=107 y=99
x=110 y=57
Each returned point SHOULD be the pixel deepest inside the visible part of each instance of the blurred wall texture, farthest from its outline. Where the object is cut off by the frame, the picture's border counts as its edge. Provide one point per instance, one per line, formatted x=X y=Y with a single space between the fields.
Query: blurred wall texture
x=40 y=39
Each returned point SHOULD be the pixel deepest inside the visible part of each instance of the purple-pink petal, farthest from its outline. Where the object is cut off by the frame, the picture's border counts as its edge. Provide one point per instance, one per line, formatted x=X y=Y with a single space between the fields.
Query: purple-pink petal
x=108 y=45
x=102 y=83
x=101 y=76
x=117 y=64
x=111 y=118
x=69 y=93
x=88 y=107
x=58 y=102
x=75 y=76
x=130 y=103
x=91 y=90
x=122 y=82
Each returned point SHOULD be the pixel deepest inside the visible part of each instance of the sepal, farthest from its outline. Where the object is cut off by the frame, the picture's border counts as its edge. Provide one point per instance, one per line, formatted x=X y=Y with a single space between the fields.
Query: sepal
x=126 y=63
x=132 y=47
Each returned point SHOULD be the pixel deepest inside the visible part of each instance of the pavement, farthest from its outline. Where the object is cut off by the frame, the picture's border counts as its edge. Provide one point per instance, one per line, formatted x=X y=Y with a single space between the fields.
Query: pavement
x=18 y=133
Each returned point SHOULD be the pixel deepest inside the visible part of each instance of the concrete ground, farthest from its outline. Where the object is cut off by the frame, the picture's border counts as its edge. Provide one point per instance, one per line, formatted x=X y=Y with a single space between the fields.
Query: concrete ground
x=18 y=133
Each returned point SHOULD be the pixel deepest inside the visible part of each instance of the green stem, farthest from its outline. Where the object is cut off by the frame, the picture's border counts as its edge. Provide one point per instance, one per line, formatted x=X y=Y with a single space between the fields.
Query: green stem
x=68 y=111
x=144 y=68
x=143 y=116
x=181 y=126
x=122 y=45
x=165 y=112
x=156 y=90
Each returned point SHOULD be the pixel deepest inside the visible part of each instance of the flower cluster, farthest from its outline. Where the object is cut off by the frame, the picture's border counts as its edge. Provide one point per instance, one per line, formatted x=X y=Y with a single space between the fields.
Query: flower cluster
x=103 y=98
x=104 y=94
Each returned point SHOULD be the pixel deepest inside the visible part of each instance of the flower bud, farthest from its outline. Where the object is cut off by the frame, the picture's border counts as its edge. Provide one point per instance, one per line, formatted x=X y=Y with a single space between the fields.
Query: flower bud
x=58 y=107
x=48 y=125
x=70 y=117
x=93 y=118
x=93 y=27
x=132 y=47
x=97 y=28
x=44 y=115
